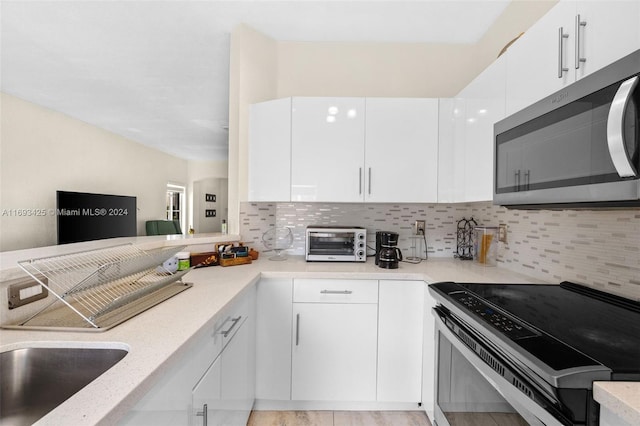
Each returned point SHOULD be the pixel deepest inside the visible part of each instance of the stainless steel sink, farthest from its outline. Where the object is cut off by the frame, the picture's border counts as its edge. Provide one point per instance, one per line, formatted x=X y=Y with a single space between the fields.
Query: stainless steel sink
x=34 y=381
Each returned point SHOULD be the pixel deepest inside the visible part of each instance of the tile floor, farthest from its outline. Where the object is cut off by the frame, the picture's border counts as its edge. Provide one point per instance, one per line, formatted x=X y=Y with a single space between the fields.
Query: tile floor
x=338 y=418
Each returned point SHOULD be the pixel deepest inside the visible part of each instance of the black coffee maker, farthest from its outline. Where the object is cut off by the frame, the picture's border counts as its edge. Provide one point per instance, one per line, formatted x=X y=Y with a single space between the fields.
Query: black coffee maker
x=387 y=253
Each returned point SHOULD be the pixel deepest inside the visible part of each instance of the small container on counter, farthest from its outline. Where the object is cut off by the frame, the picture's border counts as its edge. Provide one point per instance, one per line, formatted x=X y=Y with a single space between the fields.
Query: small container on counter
x=485 y=245
x=184 y=260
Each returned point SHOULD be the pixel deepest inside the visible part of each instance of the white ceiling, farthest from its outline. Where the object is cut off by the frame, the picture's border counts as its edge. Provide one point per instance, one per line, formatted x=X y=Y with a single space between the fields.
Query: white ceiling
x=157 y=72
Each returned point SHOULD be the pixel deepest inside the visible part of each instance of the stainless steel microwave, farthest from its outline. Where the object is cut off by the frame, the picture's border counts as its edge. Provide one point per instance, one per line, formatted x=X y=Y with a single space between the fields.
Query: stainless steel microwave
x=576 y=148
x=336 y=244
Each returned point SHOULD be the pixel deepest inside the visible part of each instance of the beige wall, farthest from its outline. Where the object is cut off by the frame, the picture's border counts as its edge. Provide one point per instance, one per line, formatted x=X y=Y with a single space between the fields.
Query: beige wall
x=253 y=78
x=372 y=69
x=42 y=151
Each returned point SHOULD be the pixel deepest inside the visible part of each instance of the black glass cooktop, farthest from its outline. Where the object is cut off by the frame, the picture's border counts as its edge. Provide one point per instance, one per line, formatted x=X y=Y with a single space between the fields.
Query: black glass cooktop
x=602 y=326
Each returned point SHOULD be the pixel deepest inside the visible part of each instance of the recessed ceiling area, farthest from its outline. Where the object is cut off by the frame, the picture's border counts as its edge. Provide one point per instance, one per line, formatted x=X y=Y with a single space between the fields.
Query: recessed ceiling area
x=157 y=72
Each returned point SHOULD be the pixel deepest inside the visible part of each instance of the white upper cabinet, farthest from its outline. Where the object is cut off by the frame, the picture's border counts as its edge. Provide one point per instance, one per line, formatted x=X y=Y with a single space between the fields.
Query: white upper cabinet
x=401 y=150
x=609 y=31
x=344 y=150
x=466 y=137
x=540 y=62
x=327 y=151
x=270 y=151
x=572 y=40
x=484 y=106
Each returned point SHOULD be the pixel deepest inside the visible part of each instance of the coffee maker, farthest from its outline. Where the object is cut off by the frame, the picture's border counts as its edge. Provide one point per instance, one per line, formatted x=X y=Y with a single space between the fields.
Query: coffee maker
x=387 y=253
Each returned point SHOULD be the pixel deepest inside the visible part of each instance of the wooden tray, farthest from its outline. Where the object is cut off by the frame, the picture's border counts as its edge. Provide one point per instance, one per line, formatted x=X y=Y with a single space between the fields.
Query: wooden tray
x=235 y=261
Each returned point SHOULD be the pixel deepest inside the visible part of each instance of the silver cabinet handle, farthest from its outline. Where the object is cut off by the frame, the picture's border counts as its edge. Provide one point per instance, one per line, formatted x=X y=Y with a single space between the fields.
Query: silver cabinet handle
x=527 y=175
x=297 y=329
x=336 y=292
x=615 y=129
x=360 y=181
x=561 y=37
x=235 y=322
x=203 y=414
x=517 y=178
x=369 y=180
x=579 y=24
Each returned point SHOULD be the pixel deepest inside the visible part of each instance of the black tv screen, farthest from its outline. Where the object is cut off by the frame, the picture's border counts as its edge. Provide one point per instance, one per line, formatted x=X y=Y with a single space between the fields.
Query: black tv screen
x=83 y=216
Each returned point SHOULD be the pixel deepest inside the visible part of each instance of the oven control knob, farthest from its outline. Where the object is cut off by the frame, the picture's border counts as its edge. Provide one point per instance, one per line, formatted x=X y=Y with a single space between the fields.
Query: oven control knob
x=360 y=254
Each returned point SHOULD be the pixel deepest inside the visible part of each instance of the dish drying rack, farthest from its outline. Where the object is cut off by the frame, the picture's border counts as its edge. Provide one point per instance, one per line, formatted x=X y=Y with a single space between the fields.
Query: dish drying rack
x=98 y=289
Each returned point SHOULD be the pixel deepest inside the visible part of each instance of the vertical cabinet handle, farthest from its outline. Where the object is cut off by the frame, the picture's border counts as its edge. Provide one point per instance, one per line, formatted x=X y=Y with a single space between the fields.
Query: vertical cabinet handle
x=203 y=414
x=297 y=329
x=579 y=24
x=517 y=179
x=527 y=175
x=360 y=181
x=561 y=37
x=369 y=180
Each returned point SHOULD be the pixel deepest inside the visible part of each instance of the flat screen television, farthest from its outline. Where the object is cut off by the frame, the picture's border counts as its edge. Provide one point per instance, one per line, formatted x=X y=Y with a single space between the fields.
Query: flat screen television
x=83 y=216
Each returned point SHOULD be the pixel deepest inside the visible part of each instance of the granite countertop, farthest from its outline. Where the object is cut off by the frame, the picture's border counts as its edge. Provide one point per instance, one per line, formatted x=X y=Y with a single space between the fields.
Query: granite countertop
x=158 y=337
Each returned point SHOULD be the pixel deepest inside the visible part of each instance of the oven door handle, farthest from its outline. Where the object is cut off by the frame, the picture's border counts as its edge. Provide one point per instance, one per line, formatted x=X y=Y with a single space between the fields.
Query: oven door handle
x=534 y=414
x=615 y=129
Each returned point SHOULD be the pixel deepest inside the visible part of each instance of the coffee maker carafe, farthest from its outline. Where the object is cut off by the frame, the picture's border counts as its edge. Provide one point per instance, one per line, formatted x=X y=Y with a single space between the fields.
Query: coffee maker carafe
x=387 y=253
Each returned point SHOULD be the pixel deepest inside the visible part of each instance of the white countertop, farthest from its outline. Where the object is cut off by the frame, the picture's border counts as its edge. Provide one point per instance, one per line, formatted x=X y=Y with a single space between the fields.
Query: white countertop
x=621 y=398
x=157 y=337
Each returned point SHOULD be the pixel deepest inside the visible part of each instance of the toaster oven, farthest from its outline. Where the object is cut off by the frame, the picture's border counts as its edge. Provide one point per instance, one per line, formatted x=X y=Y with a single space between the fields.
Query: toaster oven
x=336 y=244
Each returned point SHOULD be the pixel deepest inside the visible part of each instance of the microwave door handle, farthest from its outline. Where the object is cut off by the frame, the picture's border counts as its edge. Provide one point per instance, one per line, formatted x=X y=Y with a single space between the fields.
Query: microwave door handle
x=615 y=129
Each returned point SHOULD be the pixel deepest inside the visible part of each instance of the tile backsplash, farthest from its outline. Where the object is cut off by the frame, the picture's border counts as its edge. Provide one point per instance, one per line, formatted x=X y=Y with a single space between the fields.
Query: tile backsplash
x=599 y=248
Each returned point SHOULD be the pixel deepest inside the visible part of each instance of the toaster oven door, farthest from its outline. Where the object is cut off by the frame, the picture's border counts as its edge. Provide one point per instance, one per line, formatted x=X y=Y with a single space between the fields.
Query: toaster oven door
x=330 y=243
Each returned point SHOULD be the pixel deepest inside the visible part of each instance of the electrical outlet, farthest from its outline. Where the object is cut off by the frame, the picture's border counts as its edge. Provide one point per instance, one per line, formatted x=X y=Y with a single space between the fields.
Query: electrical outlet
x=502 y=233
x=418 y=227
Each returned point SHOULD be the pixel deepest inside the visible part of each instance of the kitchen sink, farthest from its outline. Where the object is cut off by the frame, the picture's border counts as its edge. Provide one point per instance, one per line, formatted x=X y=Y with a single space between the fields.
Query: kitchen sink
x=34 y=381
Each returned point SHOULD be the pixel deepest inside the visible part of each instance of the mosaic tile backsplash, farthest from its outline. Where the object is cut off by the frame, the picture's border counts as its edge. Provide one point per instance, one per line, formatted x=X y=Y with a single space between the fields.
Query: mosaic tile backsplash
x=599 y=248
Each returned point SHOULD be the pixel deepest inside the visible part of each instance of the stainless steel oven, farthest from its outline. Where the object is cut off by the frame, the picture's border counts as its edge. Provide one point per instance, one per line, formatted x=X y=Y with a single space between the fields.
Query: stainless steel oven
x=521 y=354
x=578 y=146
x=336 y=244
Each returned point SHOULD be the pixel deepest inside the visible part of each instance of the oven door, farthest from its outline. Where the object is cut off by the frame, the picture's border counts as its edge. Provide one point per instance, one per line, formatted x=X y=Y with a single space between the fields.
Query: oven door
x=470 y=391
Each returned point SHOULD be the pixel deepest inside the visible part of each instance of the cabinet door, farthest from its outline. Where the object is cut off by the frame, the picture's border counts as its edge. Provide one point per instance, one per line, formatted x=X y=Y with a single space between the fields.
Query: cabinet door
x=428 y=356
x=534 y=60
x=206 y=397
x=484 y=105
x=611 y=31
x=237 y=377
x=334 y=352
x=451 y=151
x=400 y=317
x=401 y=150
x=270 y=151
x=327 y=150
x=273 y=338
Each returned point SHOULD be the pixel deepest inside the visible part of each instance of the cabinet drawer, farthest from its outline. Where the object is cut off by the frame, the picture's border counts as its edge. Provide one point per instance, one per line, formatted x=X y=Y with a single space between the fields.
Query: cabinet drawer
x=335 y=291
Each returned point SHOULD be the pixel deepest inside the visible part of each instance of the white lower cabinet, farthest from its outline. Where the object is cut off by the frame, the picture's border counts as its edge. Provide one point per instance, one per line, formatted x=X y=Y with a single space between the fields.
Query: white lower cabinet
x=334 y=340
x=400 y=341
x=217 y=369
x=224 y=394
x=428 y=355
x=237 y=381
x=334 y=352
x=273 y=339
